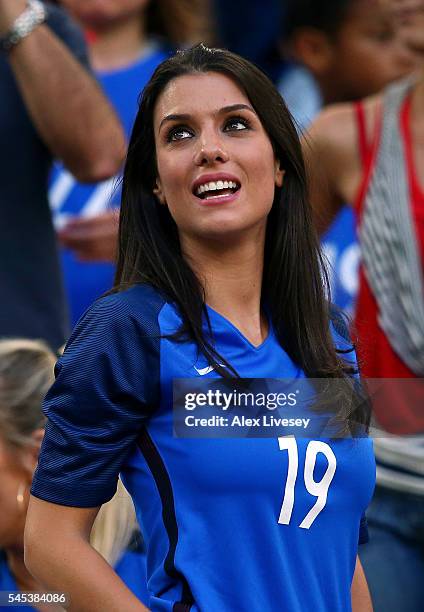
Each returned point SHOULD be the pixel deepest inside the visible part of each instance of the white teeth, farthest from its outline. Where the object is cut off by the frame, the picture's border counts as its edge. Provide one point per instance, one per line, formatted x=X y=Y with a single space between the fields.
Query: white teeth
x=213 y=186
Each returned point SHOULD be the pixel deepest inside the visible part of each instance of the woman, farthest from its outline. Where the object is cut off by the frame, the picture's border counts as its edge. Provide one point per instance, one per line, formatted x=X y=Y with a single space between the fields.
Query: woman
x=219 y=274
x=26 y=373
x=128 y=39
x=371 y=155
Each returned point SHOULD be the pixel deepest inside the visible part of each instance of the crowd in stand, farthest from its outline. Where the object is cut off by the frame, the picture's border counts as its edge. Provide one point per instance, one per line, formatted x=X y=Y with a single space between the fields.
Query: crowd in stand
x=351 y=73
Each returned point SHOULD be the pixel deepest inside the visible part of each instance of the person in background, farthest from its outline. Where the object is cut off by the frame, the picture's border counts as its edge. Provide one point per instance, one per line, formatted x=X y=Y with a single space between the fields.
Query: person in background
x=371 y=154
x=338 y=51
x=129 y=38
x=26 y=373
x=49 y=106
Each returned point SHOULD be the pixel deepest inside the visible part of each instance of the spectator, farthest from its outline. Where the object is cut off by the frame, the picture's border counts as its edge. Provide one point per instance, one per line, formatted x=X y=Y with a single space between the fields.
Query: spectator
x=129 y=39
x=341 y=50
x=370 y=154
x=26 y=372
x=49 y=106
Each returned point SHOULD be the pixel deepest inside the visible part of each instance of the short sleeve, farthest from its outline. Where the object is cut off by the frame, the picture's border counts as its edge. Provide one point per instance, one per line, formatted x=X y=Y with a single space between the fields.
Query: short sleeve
x=106 y=387
x=363 y=531
x=68 y=31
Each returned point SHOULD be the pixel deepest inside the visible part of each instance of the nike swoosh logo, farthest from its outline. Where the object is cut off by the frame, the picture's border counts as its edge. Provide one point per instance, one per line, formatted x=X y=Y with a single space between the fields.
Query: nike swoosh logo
x=203 y=371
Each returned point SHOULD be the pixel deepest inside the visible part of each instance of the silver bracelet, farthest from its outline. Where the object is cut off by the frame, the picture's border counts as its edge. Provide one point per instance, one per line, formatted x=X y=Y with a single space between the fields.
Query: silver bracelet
x=33 y=16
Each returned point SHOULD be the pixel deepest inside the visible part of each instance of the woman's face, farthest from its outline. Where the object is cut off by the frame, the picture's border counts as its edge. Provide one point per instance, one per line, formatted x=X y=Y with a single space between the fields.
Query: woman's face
x=217 y=171
x=14 y=485
x=408 y=16
x=103 y=13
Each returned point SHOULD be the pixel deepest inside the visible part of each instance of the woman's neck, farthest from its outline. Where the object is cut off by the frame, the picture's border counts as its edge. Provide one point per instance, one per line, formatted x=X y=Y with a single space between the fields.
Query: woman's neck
x=119 y=45
x=232 y=279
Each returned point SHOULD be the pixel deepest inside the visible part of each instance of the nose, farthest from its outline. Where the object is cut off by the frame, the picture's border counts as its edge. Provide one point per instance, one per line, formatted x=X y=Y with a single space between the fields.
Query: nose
x=210 y=151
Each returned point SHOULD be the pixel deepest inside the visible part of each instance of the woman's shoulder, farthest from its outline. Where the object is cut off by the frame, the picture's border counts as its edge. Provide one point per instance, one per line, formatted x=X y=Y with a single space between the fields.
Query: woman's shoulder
x=332 y=144
x=141 y=301
x=132 y=310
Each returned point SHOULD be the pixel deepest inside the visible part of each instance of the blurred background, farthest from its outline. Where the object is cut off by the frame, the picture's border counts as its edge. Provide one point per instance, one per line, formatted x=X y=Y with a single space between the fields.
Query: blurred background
x=66 y=113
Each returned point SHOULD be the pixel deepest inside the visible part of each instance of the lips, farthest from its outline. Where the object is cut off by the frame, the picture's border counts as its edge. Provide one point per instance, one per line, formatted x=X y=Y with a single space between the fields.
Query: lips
x=214 y=187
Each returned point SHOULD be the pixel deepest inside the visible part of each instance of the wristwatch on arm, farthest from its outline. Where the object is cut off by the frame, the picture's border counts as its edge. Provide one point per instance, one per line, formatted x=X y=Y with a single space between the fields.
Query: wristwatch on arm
x=33 y=16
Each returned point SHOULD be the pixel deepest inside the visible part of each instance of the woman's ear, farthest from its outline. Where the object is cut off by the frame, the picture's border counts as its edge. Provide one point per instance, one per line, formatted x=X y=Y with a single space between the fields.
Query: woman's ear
x=279 y=174
x=157 y=190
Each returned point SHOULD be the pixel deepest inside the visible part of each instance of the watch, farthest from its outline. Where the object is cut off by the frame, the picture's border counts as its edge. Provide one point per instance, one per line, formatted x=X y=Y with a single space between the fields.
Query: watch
x=33 y=16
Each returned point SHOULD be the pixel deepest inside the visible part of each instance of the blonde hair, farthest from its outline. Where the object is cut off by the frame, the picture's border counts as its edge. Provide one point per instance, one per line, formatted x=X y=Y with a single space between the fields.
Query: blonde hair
x=114 y=526
x=26 y=373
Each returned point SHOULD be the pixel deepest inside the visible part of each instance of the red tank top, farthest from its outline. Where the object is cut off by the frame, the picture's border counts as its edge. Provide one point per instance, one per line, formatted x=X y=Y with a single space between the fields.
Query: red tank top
x=376 y=355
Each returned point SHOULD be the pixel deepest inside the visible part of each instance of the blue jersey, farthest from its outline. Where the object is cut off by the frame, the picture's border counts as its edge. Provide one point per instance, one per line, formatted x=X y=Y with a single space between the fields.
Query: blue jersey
x=86 y=281
x=210 y=509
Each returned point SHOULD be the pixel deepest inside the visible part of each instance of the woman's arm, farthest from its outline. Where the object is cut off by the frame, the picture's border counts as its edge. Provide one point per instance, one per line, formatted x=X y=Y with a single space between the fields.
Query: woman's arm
x=58 y=554
x=361 y=598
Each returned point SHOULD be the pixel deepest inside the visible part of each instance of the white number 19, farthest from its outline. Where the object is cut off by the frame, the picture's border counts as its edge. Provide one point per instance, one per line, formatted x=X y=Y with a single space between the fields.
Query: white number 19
x=317 y=489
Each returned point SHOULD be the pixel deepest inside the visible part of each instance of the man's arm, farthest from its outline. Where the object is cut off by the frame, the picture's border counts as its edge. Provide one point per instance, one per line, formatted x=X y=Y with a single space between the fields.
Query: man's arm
x=67 y=107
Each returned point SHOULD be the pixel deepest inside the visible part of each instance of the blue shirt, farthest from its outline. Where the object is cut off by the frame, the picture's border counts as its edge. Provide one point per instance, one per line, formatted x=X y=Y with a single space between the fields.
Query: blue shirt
x=209 y=508
x=85 y=281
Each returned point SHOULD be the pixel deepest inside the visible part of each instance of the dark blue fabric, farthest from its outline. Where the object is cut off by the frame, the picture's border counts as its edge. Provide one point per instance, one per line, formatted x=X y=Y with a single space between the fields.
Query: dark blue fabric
x=112 y=358
x=252 y=28
x=32 y=302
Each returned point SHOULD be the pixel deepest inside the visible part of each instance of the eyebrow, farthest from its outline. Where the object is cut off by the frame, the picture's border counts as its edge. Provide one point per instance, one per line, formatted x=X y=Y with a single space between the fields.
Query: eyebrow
x=222 y=111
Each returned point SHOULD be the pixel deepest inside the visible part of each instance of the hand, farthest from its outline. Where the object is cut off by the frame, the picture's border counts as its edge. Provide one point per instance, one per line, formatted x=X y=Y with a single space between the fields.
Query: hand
x=9 y=11
x=92 y=238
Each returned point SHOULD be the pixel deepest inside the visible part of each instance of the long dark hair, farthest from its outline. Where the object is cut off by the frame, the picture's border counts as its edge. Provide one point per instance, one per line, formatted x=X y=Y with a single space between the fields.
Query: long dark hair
x=295 y=285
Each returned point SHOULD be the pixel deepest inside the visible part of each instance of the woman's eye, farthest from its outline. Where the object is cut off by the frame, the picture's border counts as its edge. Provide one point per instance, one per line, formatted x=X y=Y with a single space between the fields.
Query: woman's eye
x=178 y=133
x=236 y=124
